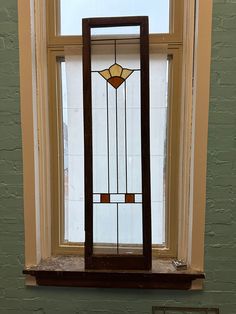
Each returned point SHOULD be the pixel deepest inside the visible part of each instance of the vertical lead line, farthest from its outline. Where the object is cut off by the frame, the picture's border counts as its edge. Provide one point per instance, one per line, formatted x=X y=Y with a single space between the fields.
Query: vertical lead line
x=117 y=172
x=117 y=227
x=117 y=168
x=117 y=149
x=108 y=149
x=126 y=166
x=115 y=50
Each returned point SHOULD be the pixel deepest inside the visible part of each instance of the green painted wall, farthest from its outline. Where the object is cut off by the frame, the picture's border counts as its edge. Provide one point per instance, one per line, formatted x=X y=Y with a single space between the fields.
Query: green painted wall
x=220 y=289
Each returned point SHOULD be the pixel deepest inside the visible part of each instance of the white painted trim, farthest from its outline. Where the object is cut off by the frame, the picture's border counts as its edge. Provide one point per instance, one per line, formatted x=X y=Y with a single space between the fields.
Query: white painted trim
x=43 y=127
x=197 y=284
x=35 y=133
x=30 y=281
x=29 y=130
x=194 y=132
x=186 y=129
x=201 y=93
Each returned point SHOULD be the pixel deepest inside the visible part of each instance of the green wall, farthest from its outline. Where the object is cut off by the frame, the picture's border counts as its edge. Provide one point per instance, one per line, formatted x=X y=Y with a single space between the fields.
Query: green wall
x=220 y=288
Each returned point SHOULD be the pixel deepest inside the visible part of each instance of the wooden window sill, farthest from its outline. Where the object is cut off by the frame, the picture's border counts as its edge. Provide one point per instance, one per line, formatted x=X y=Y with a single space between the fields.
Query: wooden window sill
x=69 y=271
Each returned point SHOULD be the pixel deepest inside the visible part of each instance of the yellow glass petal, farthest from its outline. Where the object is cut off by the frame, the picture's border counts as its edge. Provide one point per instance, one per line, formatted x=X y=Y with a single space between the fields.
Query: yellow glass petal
x=126 y=73
x=115 y=70
x=106 y=74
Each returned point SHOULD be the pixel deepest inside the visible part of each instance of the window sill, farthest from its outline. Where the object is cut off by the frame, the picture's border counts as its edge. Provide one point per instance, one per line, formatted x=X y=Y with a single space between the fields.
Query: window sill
x=69 y=271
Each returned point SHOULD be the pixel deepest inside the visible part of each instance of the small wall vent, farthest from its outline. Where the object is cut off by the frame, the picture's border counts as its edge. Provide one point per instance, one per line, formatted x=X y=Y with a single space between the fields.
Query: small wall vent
x=183 y=310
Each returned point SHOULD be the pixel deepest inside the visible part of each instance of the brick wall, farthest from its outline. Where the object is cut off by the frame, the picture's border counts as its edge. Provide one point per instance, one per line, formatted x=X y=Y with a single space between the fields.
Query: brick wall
x=220 y=289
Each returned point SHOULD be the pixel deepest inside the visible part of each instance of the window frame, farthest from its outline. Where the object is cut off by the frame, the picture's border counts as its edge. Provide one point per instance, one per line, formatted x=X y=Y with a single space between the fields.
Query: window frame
x=172 y=48
x=34 y=97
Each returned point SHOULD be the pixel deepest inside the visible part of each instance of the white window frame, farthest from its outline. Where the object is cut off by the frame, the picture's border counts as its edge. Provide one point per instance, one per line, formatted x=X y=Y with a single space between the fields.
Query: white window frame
x=194 y=130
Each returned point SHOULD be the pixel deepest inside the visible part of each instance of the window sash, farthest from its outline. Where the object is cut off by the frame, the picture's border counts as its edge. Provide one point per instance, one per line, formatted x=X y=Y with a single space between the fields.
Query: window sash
x=172 y=44
x=175 y=35
x=58 y=244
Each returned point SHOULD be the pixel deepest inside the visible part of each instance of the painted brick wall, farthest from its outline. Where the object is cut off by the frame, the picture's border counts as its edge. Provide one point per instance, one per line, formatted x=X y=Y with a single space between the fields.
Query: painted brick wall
x=220 y=288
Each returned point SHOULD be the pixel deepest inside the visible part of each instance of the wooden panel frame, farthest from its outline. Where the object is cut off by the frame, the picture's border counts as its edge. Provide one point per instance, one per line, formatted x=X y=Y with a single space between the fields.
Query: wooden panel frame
x=117 y=261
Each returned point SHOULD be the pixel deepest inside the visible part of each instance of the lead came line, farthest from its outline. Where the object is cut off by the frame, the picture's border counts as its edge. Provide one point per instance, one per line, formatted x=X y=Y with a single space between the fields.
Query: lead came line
x=126 y=152
x=108 y=142
x=117 y=148
x=117 y=180
x=117 y=169
x=115 y=50
x=117 y=227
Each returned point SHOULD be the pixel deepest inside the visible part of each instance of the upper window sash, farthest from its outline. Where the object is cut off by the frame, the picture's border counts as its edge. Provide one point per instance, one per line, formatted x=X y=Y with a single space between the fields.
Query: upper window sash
x=174 y=36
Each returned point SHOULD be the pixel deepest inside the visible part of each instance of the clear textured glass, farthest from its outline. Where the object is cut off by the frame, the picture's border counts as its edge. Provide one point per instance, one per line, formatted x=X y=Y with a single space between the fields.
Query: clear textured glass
x=130 y=232
x=72 y=115
x=72 y=102
x=159 y=77
x=105 y=225
x=130 y=30
x=72 y=12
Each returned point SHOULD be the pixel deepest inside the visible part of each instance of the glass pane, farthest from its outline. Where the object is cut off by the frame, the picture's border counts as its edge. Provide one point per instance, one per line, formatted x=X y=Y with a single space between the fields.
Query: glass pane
x=158 y=223
x=73 y=11
x=130 y=235
x=73 y=132
x=105 y=228
x=159 y=72
x=73 y=149
x=122 y=30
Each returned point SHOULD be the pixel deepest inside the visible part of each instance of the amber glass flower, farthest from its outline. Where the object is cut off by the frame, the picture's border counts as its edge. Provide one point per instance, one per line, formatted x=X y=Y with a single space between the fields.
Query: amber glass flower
x=116 y=75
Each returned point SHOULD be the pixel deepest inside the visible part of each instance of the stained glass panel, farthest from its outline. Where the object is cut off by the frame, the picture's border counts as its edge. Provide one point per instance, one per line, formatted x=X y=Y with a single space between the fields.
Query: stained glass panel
x=117 y=143
x=116 y=129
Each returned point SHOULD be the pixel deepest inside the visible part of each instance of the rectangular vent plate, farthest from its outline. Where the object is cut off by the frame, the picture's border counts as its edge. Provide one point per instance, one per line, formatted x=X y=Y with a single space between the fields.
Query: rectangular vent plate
x=183 y=310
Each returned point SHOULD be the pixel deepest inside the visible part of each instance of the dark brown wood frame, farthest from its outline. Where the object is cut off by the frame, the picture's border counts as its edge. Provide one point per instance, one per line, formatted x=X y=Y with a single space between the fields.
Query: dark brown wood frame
x=114 y=279
x=117 y=261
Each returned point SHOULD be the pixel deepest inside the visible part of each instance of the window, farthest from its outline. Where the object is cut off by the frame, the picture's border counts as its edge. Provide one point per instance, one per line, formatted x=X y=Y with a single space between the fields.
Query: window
x=65 y=69
x=185 y=164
